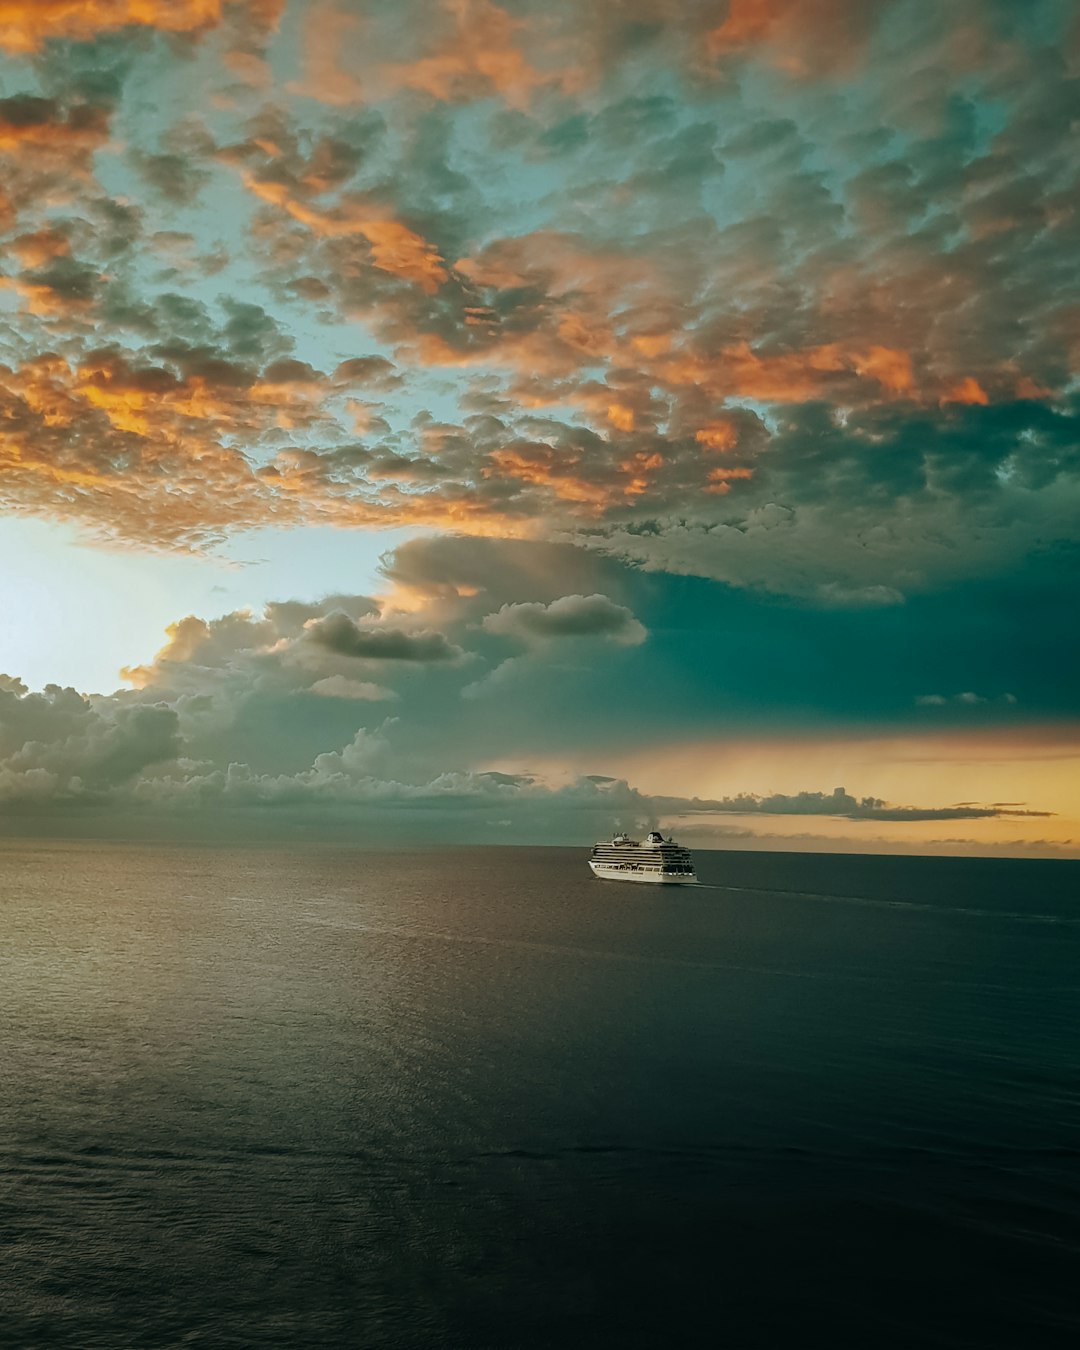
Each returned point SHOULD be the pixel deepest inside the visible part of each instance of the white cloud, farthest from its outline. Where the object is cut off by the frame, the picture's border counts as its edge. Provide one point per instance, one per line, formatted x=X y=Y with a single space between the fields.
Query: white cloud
x=571 y=616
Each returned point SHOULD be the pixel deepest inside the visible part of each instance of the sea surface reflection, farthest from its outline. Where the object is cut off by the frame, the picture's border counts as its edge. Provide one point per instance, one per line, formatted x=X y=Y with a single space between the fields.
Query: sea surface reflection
x=476 y=1098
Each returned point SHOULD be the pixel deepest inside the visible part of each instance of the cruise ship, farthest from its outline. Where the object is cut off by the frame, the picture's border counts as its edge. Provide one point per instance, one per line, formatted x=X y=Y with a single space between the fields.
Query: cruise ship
x=658 y=860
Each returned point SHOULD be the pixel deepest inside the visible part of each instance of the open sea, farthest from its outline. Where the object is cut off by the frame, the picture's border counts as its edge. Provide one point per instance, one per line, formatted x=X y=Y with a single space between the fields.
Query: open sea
x=325 y=1098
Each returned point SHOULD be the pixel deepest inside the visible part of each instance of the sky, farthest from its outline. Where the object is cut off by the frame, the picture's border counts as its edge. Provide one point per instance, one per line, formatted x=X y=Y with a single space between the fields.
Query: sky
x=444 y=420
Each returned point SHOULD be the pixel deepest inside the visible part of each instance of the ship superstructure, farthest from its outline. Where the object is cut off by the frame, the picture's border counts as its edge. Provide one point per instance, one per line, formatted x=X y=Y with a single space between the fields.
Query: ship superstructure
x=654 y=859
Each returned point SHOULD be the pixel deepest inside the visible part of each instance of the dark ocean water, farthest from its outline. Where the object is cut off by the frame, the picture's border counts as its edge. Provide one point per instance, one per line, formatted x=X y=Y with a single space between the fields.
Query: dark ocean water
x=474 y=1098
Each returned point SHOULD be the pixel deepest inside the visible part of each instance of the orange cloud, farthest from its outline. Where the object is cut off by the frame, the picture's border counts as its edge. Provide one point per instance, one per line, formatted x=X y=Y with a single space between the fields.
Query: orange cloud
x=747 y=21
x=720 y=480
x=967 y=390
x=620 y=416
x=1027 y=388
x=564 y=264
x=394 y=247
x=892 y=369
x=46 y=155
x=544 y=466
x=326 y=36
x=718 y=436
x=482 y=56
x=805 y=36
x=469 y=49
x=585 y=286
x=651 y=345
x=44 y=300
x=139 y=452
x=40 y=247
x=639 y=466
x=148 y=456
x=602 y=308
x=26 y=24
x=785 y=377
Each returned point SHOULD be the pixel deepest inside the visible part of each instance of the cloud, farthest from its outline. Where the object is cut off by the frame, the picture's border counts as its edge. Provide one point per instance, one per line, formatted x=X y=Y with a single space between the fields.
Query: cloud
x=145 y=451
x=394 y=247
x=59 y=745
x=454 y=568
x=203 y=655
x=26 y=24
x=42 y=125
x=967 y=699
x=571 y=616
x=838 y=803
x=465 y=50
x=279 y=709
x=59 y=749
x=805 y=39
x=339 y=686
x=339 y=634
x=943 y=813
x=47 y=148
x=559 y=359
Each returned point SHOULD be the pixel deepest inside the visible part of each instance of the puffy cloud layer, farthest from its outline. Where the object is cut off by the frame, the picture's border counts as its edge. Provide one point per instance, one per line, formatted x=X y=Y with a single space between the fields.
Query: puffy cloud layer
x=664 y=278
x=568 y=617
x=26 y=25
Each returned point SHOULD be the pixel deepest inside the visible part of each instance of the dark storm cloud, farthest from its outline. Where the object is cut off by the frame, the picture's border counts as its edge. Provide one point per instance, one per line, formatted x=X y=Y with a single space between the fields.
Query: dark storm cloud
x=719 y=656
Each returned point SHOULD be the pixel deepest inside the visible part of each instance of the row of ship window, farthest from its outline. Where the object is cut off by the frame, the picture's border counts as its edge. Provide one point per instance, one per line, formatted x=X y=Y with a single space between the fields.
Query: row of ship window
x=617 y=858
x=627 y=861
x=607 y=851
x=645 y=867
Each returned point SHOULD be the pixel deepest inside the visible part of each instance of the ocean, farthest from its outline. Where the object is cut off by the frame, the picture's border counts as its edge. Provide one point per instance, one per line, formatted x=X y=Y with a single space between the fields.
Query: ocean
x=325 y=1097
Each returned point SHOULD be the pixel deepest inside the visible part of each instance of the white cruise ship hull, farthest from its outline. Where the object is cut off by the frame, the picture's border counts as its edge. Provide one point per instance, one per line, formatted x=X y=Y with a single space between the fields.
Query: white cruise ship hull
x=650 y=876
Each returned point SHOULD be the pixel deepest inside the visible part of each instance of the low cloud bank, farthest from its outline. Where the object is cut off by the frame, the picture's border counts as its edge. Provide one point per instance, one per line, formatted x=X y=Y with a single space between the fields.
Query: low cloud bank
x=381 y=717
x=837 y=803
x=130 y=760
